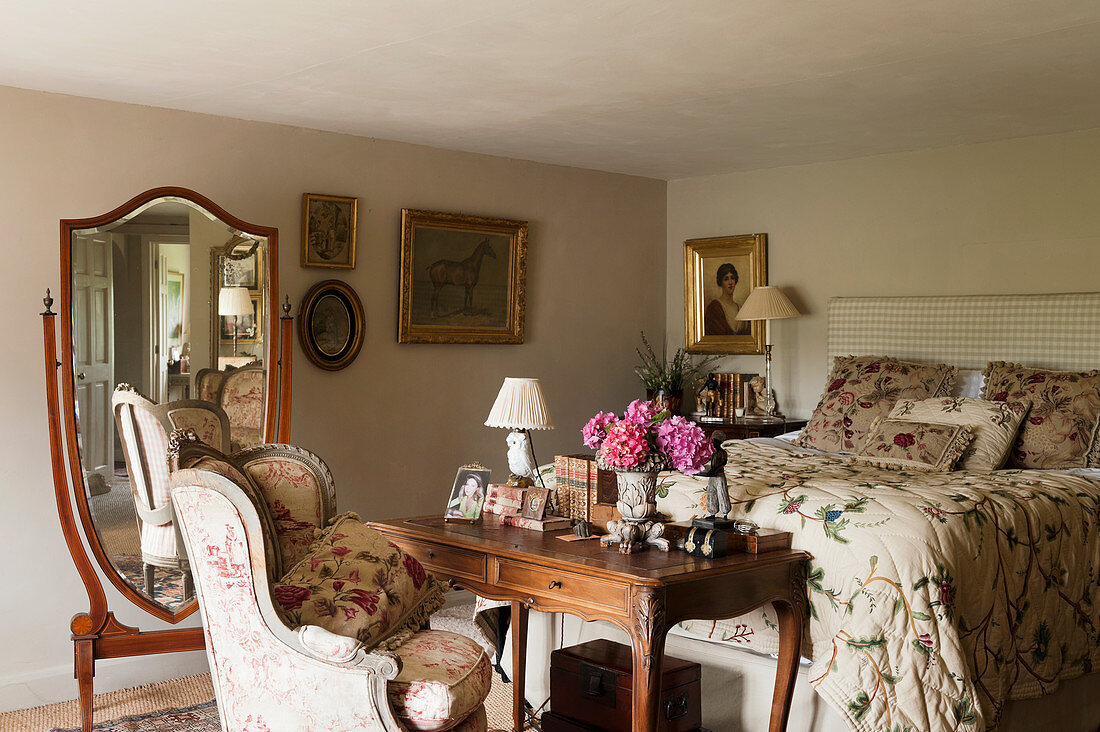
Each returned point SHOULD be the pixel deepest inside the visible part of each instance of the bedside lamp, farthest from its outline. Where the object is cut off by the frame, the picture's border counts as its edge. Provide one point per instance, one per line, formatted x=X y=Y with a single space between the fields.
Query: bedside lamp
x=234 y=301
x=521 y=408
x=767 y=303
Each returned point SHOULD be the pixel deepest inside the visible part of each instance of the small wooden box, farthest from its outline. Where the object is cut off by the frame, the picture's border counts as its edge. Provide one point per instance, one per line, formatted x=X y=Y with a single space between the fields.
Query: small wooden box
x=765 y=540
x=591 y=687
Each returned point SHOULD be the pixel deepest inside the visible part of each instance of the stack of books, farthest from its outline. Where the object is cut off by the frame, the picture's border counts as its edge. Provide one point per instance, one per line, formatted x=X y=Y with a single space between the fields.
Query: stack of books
x=581 y=484
x=732 y=387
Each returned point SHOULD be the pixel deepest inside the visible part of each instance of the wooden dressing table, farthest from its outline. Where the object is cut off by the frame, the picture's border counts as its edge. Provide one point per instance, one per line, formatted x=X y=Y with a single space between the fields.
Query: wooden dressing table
x=645 y=594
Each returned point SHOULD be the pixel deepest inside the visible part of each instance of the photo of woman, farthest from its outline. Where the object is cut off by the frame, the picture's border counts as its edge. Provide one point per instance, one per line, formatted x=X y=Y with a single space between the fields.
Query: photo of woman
x=720 y=317
x=468 y=495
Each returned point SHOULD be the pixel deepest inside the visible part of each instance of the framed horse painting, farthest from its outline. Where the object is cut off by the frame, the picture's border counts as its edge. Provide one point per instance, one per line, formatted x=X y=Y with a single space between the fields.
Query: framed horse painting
x=462 y=278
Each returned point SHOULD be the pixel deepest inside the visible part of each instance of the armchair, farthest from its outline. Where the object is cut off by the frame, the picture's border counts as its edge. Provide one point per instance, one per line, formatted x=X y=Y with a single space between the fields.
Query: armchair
x=143 y=427
x=207 y=383
x=241 y=395
x=269 y=674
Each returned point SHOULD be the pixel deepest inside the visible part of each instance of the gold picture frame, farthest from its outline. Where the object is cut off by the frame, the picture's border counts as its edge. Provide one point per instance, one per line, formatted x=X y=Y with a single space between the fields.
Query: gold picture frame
x=441 y=254
x=719 y=273
x=329 y=226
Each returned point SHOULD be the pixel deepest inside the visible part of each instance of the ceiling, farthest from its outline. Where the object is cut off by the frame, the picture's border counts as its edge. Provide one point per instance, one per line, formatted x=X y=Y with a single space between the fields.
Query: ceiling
x=647 y=87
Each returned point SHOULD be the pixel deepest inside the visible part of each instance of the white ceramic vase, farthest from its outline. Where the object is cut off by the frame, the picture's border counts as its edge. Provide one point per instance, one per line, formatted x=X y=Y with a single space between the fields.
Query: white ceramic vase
x=637 y=502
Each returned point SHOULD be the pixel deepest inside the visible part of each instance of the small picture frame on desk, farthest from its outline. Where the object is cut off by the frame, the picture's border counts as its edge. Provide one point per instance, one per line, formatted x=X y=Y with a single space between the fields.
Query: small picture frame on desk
x=534 y=503
x=467 y=494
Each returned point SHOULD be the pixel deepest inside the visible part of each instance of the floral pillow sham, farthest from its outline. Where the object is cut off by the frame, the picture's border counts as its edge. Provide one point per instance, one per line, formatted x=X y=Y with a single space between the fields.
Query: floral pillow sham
x=861 y=388
x=1062 y=429
x=904 y=444
x=356 y=583
x=993 y=424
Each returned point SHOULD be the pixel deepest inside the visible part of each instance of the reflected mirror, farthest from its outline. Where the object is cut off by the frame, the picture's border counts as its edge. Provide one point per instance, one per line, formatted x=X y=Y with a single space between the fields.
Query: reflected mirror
x=170 y=299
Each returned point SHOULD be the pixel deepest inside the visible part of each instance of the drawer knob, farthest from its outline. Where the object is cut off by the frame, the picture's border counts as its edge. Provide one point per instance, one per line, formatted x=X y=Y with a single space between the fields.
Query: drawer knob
x=431 y=554
x=555 y=585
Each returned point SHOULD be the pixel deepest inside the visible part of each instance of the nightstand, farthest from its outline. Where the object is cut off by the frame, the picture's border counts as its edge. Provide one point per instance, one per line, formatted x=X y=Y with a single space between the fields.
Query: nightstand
x=742 y=428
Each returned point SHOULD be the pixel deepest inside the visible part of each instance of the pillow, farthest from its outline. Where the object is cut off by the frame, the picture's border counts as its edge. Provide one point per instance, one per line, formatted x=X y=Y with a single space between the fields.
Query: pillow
x=861 y=388
x=356 y=583
x=905 y=444
x=1061 y=428
x=993 y=424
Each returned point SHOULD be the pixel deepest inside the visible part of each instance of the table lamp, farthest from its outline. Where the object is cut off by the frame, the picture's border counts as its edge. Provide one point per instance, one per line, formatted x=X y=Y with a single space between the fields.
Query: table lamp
x=521 y=408
x=237 y=302
x=767 y=303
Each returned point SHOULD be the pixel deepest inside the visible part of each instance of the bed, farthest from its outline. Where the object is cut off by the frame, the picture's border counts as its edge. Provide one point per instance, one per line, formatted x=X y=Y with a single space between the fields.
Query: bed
x=939 y=600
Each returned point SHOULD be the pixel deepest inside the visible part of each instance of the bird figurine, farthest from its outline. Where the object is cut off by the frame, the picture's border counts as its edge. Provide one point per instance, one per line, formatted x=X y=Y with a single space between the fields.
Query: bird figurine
x=521 y=461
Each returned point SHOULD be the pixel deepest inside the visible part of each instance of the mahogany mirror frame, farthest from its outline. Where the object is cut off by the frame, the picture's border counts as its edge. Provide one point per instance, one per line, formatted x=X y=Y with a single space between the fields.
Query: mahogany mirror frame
x=97 y=633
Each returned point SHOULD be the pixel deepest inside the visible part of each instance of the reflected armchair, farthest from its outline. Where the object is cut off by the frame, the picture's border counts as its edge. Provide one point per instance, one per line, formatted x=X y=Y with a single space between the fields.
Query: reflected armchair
x=273 y=664
x=241 y=395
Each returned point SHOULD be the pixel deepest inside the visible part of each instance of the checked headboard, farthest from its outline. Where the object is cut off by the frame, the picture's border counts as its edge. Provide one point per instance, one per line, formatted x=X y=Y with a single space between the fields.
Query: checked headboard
x=1056 y=331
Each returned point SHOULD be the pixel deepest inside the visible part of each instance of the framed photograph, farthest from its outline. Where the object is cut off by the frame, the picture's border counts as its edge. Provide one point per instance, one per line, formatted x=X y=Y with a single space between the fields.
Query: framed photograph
x=462 y=278
x=330 y=325
x=534 y=503
x=239 y=268
x=248 y=326
x=719 y=273
x=329 y=224
x=468 y=493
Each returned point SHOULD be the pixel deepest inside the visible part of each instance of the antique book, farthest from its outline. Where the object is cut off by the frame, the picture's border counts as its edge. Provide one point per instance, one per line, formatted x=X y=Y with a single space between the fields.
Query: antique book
x=550 y=523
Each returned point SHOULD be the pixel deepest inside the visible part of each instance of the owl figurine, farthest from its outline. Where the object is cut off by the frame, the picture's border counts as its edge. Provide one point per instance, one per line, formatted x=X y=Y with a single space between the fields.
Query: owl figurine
x=520 y=460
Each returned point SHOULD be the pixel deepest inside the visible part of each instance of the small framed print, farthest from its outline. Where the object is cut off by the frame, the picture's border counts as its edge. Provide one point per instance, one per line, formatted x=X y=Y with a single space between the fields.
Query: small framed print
x=328 y=230
x=468 y=493
x=534 y=503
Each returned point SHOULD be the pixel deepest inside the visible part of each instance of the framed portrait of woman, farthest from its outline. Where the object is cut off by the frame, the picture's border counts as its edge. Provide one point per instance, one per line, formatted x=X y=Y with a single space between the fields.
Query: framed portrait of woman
x=719 y=273
x=468 y=493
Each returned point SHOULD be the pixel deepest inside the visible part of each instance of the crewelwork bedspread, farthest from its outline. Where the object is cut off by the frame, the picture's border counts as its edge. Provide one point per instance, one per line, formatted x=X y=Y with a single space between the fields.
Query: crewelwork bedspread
x=934 y=597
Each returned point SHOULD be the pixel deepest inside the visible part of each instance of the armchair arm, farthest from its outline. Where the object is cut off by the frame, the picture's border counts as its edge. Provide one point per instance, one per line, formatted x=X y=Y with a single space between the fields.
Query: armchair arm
x=327 y=646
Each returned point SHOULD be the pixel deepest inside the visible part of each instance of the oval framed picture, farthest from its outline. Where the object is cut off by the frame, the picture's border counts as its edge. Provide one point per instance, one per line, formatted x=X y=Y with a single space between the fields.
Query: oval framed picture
x=330 y=325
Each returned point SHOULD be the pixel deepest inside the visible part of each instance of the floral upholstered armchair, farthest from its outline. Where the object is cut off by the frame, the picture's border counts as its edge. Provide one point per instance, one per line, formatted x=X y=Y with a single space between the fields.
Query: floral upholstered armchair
x=143 y=426
x=320 y=635
x=241 y=395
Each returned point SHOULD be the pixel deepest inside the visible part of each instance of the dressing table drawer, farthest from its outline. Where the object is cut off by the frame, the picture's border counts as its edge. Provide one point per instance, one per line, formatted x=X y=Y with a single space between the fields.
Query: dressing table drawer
x=447 y=561
x=555 y=583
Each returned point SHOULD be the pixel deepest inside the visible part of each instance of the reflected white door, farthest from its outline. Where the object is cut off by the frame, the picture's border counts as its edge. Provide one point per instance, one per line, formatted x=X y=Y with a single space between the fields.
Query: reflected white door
x=93 y=345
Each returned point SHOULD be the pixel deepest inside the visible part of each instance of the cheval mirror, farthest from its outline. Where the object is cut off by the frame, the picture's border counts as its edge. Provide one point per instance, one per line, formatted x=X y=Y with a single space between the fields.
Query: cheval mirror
x=165 y=301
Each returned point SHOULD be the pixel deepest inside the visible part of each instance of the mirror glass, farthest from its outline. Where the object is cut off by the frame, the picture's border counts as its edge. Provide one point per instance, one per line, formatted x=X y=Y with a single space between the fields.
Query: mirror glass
x=170 y=300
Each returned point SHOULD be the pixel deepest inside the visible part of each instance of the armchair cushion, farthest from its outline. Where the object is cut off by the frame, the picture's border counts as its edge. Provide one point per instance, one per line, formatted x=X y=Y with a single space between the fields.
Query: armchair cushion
x=444 y=677
x=356 y=583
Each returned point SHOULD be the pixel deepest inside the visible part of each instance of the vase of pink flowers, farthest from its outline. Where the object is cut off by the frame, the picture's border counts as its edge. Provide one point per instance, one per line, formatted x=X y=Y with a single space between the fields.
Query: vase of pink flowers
x=637 y=446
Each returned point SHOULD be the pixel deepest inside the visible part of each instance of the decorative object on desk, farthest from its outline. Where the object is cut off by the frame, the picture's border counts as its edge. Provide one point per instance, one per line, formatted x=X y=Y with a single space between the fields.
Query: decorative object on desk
x=719 y=274
x=503 y=500
x=718 y=497
x=768 y=303
x=706 y=543
x=534 y=503
x=521 y=407
x=547 y=523
x=759 y=540
x=235 y=302
x=759 y=397
x=709 y=399
x=462 y=278
x=637 y=446
x=582 y=529
x=330 y=325
x=580 y=484
x=468 y=493
x=328 y=230
x=665 y=379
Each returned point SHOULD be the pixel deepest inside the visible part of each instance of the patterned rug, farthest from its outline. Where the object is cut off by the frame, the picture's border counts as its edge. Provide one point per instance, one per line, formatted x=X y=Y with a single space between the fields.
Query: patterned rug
x=198 y=718
x=167 y=583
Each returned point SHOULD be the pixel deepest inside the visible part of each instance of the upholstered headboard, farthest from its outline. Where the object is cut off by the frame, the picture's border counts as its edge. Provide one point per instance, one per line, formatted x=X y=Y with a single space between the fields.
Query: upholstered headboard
x=1057 y=331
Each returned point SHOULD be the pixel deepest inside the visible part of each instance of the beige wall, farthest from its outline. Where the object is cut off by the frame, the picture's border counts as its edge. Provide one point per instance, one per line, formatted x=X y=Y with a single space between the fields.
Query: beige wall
x=396 y=424
x=1018 y=216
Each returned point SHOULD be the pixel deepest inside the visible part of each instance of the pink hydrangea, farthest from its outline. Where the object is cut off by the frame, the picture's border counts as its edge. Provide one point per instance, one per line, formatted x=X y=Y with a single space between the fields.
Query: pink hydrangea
x=626 y=445
x=684 y=443
x=595 y=432
x=642 y=412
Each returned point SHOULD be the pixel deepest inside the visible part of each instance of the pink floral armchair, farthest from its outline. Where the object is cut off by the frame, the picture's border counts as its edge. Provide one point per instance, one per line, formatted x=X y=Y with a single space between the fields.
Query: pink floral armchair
x=241 y=395
x=143 y=427
x=273 y=665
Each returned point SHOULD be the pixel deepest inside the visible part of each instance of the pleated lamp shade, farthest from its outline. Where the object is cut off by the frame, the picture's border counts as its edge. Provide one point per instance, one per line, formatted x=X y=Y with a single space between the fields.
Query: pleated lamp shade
x=767 y=303
x=520 y=406
x=234 y=301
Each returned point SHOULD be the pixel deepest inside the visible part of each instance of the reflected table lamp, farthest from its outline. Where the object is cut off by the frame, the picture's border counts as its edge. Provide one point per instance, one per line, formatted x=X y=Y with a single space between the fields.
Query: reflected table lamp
x=237 y=302
x=521 y=408
x=767 y=303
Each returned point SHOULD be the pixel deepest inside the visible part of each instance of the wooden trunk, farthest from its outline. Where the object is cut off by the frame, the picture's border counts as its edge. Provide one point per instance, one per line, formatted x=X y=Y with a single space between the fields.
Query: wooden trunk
x=591 y=687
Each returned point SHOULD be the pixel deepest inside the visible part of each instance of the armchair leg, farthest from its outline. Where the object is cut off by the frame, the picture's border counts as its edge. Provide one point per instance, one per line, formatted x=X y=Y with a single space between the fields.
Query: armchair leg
x=188 y=583
x=148 y=571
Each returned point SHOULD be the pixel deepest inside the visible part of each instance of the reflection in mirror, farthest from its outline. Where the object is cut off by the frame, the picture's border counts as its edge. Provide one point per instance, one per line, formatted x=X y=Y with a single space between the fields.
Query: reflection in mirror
x=160 y=296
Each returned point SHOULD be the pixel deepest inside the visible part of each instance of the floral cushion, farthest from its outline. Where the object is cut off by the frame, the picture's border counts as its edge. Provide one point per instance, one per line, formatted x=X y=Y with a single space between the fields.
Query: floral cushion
x=356 y=583
x=1061 y=430
x=993 y=424
x=861 y=388
x=444 y=677
x=905 y=444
